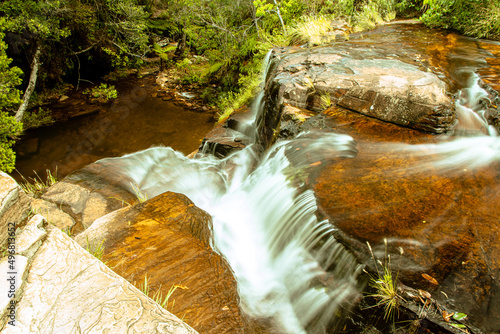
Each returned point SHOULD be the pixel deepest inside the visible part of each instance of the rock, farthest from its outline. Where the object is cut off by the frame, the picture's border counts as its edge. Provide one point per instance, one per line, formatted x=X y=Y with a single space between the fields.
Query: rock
x=85 y=296
x=440 y=222
x=54 y=214
x=14 y=206
x=63 y=98
x=167 y=238
x=367 y=81
x=86 y=195
x=222 y=141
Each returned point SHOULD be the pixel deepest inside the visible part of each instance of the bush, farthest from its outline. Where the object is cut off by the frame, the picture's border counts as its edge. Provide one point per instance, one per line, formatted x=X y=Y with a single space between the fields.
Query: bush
x=103 y=93
x=37 y=119
x=9 y=130
x=478 y=18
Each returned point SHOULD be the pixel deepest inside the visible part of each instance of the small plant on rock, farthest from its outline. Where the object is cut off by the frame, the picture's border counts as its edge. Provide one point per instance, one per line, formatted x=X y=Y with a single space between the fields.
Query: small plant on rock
x=385 y=287
x=36 y=186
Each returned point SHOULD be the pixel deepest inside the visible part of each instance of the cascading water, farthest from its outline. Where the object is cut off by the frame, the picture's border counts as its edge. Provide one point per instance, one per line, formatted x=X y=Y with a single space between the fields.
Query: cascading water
x=288 y=266
x=470 y=109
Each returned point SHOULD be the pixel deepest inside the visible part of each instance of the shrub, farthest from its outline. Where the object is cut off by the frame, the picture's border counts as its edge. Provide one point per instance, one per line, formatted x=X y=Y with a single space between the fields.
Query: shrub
x=37 y=119
x=103 y=93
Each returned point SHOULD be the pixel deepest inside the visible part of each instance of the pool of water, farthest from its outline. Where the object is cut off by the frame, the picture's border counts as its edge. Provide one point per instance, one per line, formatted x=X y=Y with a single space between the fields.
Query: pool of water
x=133 y=122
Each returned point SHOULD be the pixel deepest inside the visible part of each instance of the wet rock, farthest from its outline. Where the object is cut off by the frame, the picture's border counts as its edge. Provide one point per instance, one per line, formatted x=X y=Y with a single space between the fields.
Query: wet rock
x=439 y=220
x=364 y=80
x=86 y=195
x=222 y=141
x=167 y=238
x=85 y=296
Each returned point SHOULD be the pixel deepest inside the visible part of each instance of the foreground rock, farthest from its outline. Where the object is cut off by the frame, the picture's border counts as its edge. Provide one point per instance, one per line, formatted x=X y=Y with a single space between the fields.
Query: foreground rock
x=167 y=239
x=63 y=289
x=14 y=205
x=80 y=198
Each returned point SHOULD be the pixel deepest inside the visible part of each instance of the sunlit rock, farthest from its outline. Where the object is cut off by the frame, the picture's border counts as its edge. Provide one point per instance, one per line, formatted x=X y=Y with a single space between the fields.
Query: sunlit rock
x=14 y=205
x=435 y=202
x=366 y=80
x=67 y=290
x=84 y=195
x=167 y=238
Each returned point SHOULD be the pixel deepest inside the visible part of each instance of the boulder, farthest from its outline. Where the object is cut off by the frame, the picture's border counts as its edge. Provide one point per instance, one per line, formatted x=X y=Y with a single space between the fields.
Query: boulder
x=365 y=80
x=168 y=239
x=84 y=196
x=86 y=296
x=439 y=219
x=14 y=205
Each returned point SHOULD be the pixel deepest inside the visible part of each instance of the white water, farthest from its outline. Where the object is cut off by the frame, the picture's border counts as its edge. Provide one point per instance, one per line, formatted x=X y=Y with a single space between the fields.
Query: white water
x=268 y=230
x=263 y=225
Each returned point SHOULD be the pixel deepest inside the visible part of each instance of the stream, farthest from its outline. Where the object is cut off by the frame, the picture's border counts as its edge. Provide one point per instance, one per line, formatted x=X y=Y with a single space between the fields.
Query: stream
x=288 y=263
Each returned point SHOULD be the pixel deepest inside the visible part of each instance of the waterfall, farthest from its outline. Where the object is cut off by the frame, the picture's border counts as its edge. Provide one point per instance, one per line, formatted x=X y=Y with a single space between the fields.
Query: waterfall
x=288 y=266
x=474 y=143
x=471 y=109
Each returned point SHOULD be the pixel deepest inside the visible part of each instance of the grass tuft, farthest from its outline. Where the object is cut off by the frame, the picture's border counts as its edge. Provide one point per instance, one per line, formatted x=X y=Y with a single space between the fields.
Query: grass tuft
x=96 y=249
x=385 y=286
x=312 y=30
x=158 y=297
x=36 y=186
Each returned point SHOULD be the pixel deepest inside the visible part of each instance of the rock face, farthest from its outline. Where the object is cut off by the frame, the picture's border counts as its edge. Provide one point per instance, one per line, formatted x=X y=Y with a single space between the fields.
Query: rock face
x=52 y=285
x=365 y=80
x=80 y=198
x=14 y=205
x=63 y=289
x=439 y=220
x=167 y=238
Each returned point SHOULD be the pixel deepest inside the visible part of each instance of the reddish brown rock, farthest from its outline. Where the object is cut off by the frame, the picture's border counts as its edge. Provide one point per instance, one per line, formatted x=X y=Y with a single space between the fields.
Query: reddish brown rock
x=167 y=238
x=441 y=222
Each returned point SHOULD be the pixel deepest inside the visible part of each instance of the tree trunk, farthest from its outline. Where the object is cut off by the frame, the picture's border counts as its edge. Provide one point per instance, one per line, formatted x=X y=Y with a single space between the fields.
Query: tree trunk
x=181 y=46
x=31 y=86
x=279 y=15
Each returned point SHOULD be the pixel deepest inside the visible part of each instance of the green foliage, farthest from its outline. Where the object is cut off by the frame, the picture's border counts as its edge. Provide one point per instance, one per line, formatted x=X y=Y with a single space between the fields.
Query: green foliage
x=311 y=30
x=478 y=18
x=9 y=130
x=37 y=119
x=9 y=99
x=385 y=286
x=103 y=93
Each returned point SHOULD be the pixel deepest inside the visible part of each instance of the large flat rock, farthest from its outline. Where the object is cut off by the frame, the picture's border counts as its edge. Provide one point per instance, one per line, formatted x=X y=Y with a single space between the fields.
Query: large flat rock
x=438 y=213
x=366 y=80
x=81 y=197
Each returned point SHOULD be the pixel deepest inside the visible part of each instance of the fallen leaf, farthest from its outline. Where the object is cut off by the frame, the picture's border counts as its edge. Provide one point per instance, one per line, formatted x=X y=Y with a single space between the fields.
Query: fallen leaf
x=447 y=316
x=425 y=294
x=317 y=163
x=431 y=279
x=459 y=316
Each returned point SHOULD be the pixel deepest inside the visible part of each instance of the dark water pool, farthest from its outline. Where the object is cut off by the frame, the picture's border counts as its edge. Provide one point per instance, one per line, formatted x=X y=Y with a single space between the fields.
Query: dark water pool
x=133 y=122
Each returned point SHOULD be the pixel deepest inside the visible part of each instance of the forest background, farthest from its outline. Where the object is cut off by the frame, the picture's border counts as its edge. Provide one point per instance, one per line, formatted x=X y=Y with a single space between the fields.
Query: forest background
x=218 y=45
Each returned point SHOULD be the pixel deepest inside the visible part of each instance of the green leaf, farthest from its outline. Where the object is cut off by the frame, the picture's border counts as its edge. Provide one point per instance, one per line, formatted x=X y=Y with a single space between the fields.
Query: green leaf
x=458 y=325
x=459 y=316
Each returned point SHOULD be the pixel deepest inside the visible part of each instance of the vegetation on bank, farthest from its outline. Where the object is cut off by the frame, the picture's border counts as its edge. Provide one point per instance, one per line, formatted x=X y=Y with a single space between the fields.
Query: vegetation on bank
x=215 y=45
